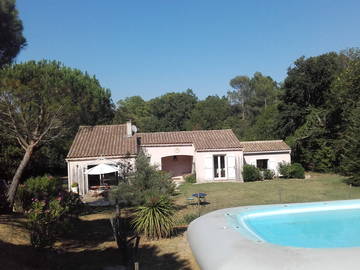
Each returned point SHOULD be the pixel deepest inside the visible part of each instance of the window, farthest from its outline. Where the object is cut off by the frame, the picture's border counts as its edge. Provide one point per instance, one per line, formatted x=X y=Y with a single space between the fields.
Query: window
x=219 y=167
x=262 y=164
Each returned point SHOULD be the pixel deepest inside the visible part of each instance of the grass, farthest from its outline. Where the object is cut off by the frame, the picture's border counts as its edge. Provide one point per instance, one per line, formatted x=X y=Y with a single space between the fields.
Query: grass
x=320 y=187
x=91 y=245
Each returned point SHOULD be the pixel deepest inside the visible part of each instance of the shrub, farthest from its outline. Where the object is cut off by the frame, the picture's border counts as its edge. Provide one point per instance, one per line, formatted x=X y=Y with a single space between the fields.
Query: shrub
x=191 y=178
x=49 y=218
x=190 y=217
x=155 y=219
x=23 y=199
x=294 y=170
x=297 y=171
x=125 y=195
x=285 y=169
x=251 y=173
x=71 y=203
x=132 y=191
x=354 y=180
x=39 y=188
x=268 y=174
x=43 y=222
x=43 y=187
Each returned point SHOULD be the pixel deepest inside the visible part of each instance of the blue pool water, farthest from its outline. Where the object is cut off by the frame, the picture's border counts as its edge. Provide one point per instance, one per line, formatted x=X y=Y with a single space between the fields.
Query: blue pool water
x=312 y=226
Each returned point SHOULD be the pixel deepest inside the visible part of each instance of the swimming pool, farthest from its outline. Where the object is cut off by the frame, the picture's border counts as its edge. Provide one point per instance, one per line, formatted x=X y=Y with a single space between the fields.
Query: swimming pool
x=319 y=235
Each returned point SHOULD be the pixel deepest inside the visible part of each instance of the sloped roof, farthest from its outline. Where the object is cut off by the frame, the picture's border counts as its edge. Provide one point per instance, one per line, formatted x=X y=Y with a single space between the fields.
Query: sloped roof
x=202 y=139
x=111 y=140
x=102 y=140
x=263 y=146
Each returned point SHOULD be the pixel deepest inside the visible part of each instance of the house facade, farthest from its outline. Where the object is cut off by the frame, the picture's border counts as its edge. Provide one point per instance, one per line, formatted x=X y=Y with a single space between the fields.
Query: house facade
x=213 y=155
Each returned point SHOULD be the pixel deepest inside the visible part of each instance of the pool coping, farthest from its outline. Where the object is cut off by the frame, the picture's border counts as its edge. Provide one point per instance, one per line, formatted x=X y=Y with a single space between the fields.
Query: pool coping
x=216 y=245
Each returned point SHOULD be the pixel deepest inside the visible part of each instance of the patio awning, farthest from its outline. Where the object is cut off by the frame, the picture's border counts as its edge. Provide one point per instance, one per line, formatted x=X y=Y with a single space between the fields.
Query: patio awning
x=102 y=169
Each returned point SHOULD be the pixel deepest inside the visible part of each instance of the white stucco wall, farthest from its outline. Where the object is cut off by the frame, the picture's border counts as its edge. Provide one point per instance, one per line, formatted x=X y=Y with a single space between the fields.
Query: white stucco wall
x=77 y=167
x=199 y=159
x=202 y=161
x=274 y=159
x=201 y=166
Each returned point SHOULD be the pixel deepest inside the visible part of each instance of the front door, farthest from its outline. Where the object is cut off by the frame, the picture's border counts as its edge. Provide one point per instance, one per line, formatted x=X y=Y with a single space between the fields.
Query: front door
x=219 y=167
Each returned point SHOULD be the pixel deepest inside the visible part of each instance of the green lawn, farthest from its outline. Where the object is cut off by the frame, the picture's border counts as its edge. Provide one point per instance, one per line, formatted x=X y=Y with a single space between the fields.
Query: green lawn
x=320 y=187
x=91 y=245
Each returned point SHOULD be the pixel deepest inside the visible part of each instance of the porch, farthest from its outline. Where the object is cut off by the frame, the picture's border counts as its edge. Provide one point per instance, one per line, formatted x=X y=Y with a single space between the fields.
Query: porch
x=177 y=165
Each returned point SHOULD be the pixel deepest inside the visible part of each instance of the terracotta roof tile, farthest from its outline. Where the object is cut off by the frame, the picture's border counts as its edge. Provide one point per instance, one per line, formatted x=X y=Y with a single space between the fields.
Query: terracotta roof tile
x=262 y=146
x=111 y=140
x=202 y=139
x=103 y=140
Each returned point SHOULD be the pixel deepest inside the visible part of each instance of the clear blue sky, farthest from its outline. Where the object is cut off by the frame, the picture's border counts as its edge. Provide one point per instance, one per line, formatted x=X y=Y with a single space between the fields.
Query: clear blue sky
x=151 y=47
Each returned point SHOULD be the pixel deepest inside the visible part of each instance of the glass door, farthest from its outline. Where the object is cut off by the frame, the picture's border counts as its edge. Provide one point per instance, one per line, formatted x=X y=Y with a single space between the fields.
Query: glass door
x=219 y=167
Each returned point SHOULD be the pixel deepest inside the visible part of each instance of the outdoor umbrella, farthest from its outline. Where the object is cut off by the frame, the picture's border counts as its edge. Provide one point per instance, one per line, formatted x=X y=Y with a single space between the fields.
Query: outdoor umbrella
x=102 y=169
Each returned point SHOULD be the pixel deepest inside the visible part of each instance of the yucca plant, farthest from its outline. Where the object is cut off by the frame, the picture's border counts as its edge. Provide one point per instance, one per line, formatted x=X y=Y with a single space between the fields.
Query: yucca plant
x=155 y=219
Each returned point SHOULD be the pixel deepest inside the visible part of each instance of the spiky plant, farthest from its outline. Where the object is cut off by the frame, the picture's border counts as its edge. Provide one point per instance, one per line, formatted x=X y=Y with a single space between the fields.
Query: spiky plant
x=155 y=219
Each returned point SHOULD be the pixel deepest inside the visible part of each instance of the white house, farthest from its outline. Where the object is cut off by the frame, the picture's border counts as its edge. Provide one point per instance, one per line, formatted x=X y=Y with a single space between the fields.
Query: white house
x=214 y=155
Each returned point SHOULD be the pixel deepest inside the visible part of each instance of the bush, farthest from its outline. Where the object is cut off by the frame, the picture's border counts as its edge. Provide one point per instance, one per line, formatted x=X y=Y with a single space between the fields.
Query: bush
x=49 y=218
x=354 y=180
x=43 y=187
x=297 y=171
x=191 y=178
x=133 y=190
x=71 y=203
x=251 y=173
x=294 y=170
x=44 y=222
x=284 y=169
x=23 y=199
x=268 y=174
x=155 y=219
x=190 y=217
x=39 y=188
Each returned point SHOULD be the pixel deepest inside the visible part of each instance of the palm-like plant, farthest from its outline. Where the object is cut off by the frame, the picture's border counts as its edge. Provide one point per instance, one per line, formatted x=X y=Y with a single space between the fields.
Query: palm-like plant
x=155 y=219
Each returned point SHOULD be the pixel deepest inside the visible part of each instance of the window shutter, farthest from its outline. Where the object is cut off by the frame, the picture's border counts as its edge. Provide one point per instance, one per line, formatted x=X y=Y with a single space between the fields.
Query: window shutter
x=231 y=163
x=209 y=168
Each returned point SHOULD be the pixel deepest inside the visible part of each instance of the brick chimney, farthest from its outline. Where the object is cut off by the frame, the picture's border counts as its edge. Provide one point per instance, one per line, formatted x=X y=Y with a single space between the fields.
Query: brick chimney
x=128 y=128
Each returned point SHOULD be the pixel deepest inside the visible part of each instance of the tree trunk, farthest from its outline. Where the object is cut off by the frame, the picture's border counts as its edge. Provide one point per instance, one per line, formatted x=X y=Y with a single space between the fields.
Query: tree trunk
x=19 y=171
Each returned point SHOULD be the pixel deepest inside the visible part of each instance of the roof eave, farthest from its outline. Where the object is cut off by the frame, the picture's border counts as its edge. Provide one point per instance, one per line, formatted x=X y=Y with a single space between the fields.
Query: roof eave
x=220 y=149
x=267 y=151
x=97 y=157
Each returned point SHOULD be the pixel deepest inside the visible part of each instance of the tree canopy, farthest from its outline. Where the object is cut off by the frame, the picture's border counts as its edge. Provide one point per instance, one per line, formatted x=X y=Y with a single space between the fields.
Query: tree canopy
x=209 y=114
x=43 y=102
x=250 y=95
x=11 y=36
x=169 y=112
x=134 y=108
x=307 y=86
x=315 y=110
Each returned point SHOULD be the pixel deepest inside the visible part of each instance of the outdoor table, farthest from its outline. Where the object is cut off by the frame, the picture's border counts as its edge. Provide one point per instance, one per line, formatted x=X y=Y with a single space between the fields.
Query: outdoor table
x=199 y=196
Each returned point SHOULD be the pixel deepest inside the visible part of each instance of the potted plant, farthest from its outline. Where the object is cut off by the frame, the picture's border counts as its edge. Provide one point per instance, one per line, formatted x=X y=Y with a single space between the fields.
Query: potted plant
x=74 y=187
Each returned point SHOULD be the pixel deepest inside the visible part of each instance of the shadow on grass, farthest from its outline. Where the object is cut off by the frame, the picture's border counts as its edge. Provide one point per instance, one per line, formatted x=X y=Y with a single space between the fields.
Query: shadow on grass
x=15 y=220
x=84 y=234
x=179 y=230
x=18 y=257
x=90 y=245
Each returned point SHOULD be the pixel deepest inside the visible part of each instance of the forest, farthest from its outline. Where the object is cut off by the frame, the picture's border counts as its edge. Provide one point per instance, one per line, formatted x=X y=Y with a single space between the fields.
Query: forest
x=315 y=109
